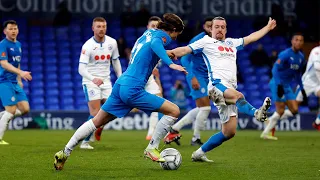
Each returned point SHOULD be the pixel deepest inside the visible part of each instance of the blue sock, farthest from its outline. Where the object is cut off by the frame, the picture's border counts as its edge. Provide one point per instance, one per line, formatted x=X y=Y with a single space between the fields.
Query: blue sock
x=318 y=116
x=245 y=107
x=88 y=137
x=160 y=115
x=213 y=142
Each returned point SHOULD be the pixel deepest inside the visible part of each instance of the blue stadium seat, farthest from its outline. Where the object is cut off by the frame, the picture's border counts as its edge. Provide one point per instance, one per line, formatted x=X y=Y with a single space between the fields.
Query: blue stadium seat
x=37 y=92
x=37 y=107
x=51 y=77
x=52 y=92
x=51 y=84
x=52 y=106
x=36 y=84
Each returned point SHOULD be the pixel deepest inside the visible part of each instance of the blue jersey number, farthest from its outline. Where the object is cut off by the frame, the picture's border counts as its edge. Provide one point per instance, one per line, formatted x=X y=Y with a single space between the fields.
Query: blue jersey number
x=135 y=51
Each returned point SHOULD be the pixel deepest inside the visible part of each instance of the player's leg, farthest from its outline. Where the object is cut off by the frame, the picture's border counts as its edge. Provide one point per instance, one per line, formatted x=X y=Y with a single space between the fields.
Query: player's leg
x=97 y=134
x=112 y=108
x=228 y=116
x=233 y=96
x=273 y=120
x=203 y=104
x=9 y=101
x=153 y=88
x=316 y=123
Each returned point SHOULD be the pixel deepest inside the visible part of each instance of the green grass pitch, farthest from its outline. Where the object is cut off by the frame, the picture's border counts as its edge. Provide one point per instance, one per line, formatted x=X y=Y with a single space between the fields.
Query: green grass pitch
x=119 y=156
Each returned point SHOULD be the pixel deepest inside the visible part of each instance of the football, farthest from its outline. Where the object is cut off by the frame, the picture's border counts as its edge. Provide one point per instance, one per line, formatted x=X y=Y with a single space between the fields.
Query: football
x=173 y=159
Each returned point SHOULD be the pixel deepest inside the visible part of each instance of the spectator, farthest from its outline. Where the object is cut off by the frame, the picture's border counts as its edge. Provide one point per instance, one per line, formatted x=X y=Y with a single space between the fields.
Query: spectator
x=127 y=53
x=143 y=16
x=121 y=47
x=273 y=57
x=259 y=57
x=179 y=96
x=127 y=18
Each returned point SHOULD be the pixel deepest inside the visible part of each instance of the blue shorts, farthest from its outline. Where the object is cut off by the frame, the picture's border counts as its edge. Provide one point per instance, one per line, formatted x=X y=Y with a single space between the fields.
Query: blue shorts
x=124 y=98
x=288 y=92
x=11 y=94
x=202 y=92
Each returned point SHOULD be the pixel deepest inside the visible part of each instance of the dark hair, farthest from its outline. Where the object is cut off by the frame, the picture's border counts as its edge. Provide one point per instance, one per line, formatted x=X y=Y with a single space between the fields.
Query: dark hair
x=99 y=19
x=171 y=22
x=208 y=19
x=154 y=18
x=5 y=24
x=297 y=34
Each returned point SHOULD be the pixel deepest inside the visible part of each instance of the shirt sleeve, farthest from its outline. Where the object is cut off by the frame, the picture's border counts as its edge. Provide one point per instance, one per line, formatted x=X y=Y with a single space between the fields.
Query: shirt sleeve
x=3 y=52
x=157 y=47
x=115 y=52
x=85 y=55
x=282 y=58
x=197 y=46
x=187 y=62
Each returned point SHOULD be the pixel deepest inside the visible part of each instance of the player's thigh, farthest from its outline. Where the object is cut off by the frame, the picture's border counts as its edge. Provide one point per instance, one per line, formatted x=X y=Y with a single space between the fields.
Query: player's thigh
x=280 y=107
x=203 y=101
x=229 y=128
x=23 y=106
x=293 y=106
x=115 y=105
x=202 y=91
x=8 y=97
x=225 y=112
x=103 y=118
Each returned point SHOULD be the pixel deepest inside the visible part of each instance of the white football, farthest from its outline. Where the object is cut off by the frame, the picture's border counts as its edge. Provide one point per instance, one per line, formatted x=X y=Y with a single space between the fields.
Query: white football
x=173 y=159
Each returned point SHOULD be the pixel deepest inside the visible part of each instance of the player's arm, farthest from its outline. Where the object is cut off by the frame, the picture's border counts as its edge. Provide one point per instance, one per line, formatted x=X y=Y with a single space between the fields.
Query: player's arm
x=82 y=69
x=157 y=47
x=115 y=61
x=195 y=47
x=19 y=78
x=9 y=67
x=278 y=65
x=187 y=63
x=156 y=74
x=259 y=34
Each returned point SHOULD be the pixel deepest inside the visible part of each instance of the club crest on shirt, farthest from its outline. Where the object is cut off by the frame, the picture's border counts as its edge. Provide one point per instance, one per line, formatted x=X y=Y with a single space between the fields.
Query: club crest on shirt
x=229 y=43
x=13 y=98
x=164 y=39
x=91 y=93
x=110 y=47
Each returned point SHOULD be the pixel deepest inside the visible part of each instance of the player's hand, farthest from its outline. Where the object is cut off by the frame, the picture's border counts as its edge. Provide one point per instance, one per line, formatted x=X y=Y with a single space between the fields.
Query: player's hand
x=305 y=98
x=195 y=83
x=97 y=81
x=26 y=75
x=280 y=91
x=271 y=24
x=155 y=72
x=171 y=55
x=178 y=68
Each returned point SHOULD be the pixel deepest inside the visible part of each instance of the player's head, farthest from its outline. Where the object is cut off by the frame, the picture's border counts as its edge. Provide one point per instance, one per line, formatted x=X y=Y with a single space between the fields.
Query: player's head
x=207 y=25
x=219 y=28
x=297 y=41
x=99 y=26
x=153 y=22
x=10 y=29
x=172 y=24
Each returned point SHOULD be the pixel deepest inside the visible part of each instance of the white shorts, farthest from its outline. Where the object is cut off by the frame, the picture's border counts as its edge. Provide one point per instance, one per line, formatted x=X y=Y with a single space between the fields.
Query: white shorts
x=310 y=87
x=93 y=92
x=152 y=87
x=225 y=112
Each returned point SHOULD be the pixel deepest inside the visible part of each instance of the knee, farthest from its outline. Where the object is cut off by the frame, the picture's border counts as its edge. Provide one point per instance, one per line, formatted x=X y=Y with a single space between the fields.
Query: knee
x=25 y=111
x=280 y=112
x=175 y=111
x=294 y=111
x=229 y=133
x=237 y=95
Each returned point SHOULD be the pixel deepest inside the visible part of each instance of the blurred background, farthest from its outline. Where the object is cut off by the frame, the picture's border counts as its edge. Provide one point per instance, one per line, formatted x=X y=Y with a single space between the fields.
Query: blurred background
x=53 y=31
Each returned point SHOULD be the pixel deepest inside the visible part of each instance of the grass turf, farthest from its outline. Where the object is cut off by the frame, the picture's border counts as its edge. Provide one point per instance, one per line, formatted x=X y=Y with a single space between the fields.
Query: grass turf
x=120 y=156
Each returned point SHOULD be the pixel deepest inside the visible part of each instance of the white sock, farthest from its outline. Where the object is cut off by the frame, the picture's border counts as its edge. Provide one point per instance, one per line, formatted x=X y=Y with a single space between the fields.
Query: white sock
x=17 y=113
x=152 y=122
x=317 y=121
x=287 y=113
x=82 y=132
x=187 y=119
x=199 y=151
x=162 y=128
x=272 y=123
x=201 y=120
x=6 y=117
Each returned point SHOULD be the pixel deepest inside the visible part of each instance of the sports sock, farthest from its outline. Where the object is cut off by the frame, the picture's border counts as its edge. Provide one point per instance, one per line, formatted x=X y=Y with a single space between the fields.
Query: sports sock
x=318 y=119
x=187 y=119
x=83 y=131
x=162 y=128
x=153 y=120
x=214 y=141
x=6 y=117
x=272 y=123
x=201 y=120
x=87 y=139
x=245 y=107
